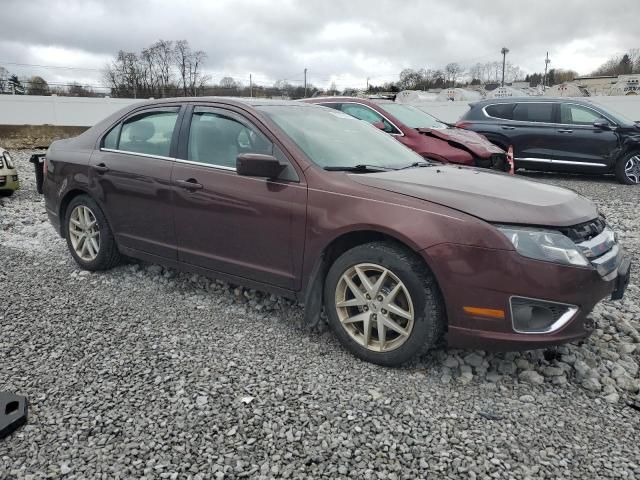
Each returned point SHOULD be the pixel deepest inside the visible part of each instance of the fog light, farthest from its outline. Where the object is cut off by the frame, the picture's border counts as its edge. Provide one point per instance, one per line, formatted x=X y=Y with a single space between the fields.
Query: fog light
x=539 y=316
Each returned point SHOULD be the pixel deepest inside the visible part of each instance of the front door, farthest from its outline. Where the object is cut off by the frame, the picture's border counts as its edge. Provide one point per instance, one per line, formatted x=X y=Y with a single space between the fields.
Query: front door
x=242 y=226
x=582 y=145
x=131 y=176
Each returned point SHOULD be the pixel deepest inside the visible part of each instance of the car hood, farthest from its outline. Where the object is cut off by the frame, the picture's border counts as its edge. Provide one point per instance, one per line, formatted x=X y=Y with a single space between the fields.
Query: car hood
x=492 y=196
x=477 y=144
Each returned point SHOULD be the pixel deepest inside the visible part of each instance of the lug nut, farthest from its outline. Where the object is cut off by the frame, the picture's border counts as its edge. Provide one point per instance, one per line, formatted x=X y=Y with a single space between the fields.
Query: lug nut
x=383 y=311
x=380 y=298
x=374 y=316
x=365 y=308
x=368 y=297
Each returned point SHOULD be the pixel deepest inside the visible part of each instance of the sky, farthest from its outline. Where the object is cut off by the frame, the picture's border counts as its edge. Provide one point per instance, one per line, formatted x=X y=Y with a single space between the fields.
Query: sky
x=344 y=42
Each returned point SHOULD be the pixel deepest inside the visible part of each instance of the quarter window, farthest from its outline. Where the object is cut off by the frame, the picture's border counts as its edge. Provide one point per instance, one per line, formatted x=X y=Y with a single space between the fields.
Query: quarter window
x=111 y=139
x=577 y=115
x=534 y=112
x=149 y=133
x=501 y=110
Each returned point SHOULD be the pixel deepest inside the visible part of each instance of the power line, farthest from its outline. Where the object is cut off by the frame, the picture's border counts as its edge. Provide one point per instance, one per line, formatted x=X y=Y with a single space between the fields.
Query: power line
x=50 y=66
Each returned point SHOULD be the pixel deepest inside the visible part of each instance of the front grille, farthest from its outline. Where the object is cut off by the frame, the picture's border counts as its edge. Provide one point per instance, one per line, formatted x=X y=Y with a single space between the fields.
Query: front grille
x=585 y=231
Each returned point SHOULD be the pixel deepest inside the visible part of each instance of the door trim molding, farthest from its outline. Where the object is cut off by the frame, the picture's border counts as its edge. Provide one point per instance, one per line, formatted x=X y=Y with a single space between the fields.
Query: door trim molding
x=561 y=162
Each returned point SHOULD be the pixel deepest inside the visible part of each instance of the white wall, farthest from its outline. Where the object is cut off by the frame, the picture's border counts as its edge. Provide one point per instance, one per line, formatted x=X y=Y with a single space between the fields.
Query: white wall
x=84 y=112
x=59 y=111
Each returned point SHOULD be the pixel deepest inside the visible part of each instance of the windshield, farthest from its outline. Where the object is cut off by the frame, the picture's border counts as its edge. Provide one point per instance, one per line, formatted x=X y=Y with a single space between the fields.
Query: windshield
x=412 y=117
x=334 y=139
x=618 y=117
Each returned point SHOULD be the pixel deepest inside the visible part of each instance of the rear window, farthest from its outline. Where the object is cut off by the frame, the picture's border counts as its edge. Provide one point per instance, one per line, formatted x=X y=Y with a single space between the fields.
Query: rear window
x=534 y=112
x=501 y=110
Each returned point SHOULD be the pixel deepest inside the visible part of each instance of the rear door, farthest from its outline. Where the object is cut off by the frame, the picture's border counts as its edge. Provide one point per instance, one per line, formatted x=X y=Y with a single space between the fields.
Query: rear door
x=243 y=226
x=534 y=134
x=582 y=145
x=131 y=176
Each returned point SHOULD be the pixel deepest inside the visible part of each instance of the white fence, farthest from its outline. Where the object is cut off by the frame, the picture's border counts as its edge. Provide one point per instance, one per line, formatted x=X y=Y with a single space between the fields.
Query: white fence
x=84 y=112
x=58 y=111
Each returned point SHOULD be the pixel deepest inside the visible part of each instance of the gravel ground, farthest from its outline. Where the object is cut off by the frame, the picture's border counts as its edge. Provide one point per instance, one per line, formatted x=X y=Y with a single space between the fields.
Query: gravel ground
x=141 y=372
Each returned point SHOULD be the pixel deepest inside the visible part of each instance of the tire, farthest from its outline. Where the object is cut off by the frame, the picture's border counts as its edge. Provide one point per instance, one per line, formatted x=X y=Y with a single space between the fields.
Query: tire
x=107 y=255
x=418 y=295
x=629 y=160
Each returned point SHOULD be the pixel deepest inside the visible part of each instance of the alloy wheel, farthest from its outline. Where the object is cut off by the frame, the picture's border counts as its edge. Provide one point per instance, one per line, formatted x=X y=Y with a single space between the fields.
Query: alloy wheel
x=632 y=169
x=374 y=307
x=84 y=233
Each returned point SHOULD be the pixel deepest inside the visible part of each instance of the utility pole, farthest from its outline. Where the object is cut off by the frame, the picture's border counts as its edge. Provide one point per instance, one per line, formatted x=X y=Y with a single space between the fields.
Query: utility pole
x=368 y=83
x=305 y=83
x=504 y=52
x=546 y=65
x=250 y=86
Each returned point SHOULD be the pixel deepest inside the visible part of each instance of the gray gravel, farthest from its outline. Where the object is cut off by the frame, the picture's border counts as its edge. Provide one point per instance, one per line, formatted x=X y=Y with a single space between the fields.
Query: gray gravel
x=142 y=372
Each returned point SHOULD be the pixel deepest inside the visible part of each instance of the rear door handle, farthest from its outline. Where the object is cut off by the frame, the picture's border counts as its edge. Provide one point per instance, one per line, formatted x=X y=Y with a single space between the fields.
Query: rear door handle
x=504 y=127
x=565 y=130
x=100 y=168
x=190 y=184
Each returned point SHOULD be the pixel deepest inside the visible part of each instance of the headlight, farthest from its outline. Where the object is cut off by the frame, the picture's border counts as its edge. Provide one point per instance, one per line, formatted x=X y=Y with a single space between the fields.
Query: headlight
x=8 y=160
x=544 y=245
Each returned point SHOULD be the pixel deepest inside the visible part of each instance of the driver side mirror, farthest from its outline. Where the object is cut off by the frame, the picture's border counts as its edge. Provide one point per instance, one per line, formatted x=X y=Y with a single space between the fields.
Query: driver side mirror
x=258 y=165
x=601 y=125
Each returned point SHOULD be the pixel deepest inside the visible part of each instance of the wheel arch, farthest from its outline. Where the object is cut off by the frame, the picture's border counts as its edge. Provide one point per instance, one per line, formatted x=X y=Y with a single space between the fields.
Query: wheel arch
x=313 y=293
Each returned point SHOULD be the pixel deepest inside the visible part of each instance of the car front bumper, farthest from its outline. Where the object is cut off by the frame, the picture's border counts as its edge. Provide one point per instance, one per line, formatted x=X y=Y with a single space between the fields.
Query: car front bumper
x=9 y=182
x=488 y=279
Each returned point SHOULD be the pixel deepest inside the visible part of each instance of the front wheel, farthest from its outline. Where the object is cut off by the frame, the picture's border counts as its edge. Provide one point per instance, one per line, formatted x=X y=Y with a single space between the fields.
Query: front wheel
x=383 y=303
x=628 y=169
x=89 y=237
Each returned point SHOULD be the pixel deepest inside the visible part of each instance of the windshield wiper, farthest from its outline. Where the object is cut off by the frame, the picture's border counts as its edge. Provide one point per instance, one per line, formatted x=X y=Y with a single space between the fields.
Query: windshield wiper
x=418 y=164
x=362 y=168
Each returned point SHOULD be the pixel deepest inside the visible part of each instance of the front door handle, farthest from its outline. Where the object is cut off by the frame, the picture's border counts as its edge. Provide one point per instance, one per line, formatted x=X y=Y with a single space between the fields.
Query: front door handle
x=504 y=127
x=565 y=130
x=190 y=184
x=100 y=168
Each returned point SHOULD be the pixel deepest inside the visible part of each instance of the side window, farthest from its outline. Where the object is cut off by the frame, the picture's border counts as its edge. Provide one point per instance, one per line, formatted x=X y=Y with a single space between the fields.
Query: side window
x=501 y=110
x=577 y=115
x=111 y=139
x=364 y=113
x=148 y=133
x=534 y=112
x=217 y=139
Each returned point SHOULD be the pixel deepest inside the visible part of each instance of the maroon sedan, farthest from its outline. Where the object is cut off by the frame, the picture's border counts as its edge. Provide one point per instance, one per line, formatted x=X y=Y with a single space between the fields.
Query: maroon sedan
x=421 y=132
x=310 y=203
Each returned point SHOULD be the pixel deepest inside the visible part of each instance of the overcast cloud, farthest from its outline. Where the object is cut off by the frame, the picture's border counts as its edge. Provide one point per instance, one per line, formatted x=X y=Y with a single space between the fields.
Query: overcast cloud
x=343 y=41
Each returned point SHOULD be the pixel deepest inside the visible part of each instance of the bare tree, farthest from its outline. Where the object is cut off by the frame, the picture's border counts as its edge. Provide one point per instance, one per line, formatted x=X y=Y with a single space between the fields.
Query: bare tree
x=452 y=71
x=183 y=59
x=3 y=79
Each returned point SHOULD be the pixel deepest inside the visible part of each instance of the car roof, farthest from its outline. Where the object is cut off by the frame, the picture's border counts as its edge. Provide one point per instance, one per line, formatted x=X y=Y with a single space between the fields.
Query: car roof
x=364 y=101
x=529 y=99
x=237 y=101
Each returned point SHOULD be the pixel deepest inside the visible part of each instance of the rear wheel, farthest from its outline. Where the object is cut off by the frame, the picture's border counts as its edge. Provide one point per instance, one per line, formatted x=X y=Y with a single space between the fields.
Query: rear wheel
x=628 y=169
x=383 y=303
x=89 y=237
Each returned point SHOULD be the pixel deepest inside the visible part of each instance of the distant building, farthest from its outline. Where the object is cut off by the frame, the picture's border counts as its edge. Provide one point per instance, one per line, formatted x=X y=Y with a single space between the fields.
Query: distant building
x=626 y=85
x=597 y=85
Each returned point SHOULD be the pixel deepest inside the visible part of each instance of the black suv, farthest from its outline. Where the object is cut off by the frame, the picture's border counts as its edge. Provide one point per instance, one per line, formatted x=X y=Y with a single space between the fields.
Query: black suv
x=560 y=134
